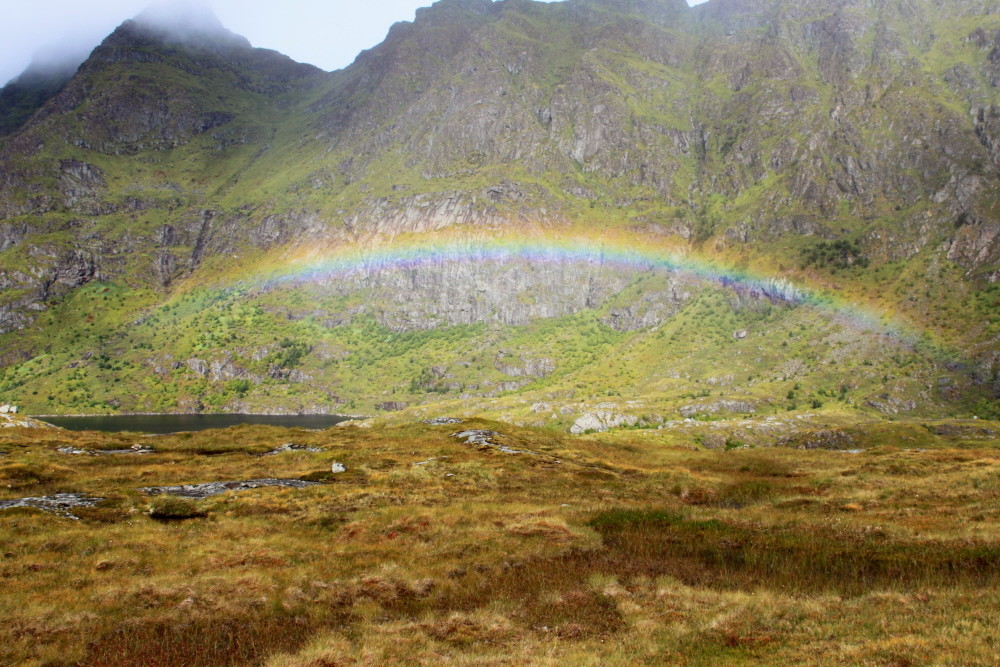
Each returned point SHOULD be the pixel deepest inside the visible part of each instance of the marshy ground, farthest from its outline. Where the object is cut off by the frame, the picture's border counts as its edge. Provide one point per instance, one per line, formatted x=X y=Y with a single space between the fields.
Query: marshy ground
x=618 y=548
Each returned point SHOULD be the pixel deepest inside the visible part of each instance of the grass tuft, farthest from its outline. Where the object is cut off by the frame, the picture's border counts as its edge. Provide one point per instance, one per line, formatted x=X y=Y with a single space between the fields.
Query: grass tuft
x=169 y=508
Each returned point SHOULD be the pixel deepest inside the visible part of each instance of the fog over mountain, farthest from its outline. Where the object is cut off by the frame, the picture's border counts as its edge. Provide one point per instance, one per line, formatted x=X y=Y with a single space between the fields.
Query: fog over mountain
x=326 y=33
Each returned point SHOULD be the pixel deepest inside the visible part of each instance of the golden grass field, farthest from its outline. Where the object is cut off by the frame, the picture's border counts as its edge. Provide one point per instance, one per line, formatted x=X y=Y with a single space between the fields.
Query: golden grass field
x=624 y=548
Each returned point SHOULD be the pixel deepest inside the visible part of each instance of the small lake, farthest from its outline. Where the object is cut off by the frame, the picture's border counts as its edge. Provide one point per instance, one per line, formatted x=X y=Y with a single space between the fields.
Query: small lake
x=175 y=423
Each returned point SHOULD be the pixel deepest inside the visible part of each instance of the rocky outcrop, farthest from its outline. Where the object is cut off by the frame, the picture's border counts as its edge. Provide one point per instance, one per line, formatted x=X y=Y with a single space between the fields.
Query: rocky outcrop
x=976 y=241
x=485 y=439
x=721 y=405
x=11 y=234
x=62 y=504
x=291 y=447
x=524 y=366
x=477 y=286
x=221 y=370
x=601 y=420
x=11 y=419
x=652 y=308
x=79 y=181
x=215 y=488
x=888 y=404
x=16 y=314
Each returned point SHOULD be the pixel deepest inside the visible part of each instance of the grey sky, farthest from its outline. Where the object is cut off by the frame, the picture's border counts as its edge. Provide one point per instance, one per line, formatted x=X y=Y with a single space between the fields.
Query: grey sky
x=326 y=33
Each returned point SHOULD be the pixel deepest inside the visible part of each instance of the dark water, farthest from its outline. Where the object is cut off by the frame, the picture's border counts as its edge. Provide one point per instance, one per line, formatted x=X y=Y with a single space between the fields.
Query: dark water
x=175 y=423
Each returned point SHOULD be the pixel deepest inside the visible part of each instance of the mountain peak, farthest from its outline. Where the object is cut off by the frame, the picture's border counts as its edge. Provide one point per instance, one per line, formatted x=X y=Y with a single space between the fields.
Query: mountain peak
x=182 y=18
x=188 y=22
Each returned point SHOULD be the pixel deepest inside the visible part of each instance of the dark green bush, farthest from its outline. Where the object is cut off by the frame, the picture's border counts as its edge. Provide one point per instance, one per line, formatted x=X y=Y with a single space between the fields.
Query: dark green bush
x=171 y=508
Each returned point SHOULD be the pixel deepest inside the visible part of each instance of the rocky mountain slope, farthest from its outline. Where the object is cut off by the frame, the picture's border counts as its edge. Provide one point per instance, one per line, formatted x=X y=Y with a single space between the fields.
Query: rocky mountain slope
x=158 y=213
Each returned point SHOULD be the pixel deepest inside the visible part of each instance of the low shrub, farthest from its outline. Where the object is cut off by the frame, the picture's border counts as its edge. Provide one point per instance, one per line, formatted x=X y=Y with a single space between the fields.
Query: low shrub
x=171 y=508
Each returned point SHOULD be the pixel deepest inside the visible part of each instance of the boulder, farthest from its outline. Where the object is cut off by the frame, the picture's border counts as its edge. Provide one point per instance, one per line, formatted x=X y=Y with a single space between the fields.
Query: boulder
x=487 y=440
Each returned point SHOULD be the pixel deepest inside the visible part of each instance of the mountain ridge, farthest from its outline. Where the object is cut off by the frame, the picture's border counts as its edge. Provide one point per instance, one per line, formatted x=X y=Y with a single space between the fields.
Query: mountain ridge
x=824 y=146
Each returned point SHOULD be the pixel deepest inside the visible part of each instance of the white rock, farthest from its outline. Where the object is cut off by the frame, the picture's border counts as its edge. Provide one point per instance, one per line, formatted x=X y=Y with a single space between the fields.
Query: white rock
x=601 y=421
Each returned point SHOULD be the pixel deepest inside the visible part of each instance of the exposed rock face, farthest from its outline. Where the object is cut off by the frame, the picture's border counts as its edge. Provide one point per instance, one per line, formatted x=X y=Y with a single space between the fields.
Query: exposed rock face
x=198 y=366
x=509 y=291
x=722 y=405
x=653 y=308
x=601 y=420
x=60 y=503
x=527 y=367
x=78 y=181
x=486 y=439
x=891 y=405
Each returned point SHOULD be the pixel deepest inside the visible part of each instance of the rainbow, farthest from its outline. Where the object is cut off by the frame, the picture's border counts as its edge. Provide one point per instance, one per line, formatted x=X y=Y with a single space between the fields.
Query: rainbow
x=318 y=263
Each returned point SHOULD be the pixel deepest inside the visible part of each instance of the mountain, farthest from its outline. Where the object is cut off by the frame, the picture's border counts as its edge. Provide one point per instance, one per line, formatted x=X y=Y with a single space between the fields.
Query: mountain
x=586 y=214
x=28 y=92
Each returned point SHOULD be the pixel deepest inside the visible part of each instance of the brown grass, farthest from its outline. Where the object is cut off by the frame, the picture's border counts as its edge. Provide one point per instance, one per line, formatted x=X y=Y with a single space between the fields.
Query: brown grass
x=629 y=550
x=200 y=642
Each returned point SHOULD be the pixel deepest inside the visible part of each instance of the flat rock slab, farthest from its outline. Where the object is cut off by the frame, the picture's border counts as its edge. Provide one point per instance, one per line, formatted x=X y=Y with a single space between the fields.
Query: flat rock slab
x=484 y=438
x=60 y=503
x=215 y=488
x=292 y=447
x=15 y=421
x=104 y=452
x=430 y=460
x=442 y=421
